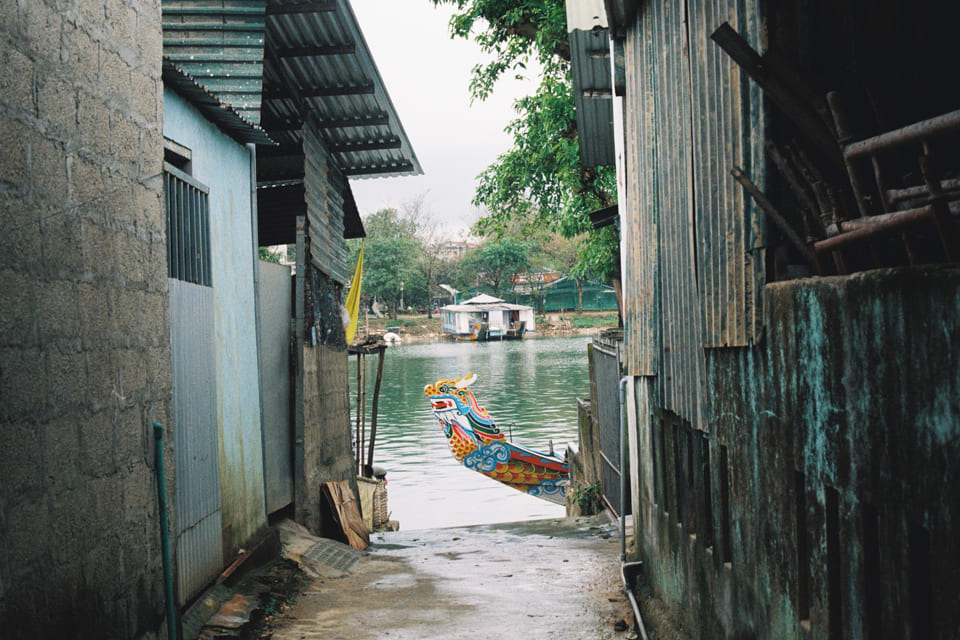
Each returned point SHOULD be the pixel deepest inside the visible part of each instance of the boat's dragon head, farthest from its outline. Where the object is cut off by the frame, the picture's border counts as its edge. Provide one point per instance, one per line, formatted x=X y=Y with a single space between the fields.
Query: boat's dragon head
x=464 y=421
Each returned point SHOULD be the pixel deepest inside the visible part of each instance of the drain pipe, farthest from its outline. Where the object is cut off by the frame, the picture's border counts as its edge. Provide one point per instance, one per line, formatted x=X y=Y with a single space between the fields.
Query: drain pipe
x=632 y=567
x=164 y=533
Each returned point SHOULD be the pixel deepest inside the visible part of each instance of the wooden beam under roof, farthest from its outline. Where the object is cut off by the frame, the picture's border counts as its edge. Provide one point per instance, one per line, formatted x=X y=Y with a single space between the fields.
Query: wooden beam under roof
x=286 y=8
x=366 y=145
x=316 y=51
x=370 y=120
x=397 y=167
x=281 y=93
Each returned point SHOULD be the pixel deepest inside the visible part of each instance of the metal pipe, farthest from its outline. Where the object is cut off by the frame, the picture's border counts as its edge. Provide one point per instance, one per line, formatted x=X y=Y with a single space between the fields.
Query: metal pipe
x=624 y=565
x=864 y=229
x=916 y=132
x=164 y=533
x=776 y=218
x=623 y=476
x=638 y=619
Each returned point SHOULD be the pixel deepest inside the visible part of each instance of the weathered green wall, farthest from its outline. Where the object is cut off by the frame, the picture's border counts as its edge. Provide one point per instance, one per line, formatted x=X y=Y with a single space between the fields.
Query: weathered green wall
x=842 y=424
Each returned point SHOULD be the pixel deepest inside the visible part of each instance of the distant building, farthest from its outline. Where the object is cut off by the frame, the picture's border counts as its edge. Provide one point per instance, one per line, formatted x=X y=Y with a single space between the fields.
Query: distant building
x=485 y=318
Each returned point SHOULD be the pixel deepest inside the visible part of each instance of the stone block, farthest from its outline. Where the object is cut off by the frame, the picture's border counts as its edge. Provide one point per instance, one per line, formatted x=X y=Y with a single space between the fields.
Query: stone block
x=43 y=24
x=23 y=384
x=121 y=22
x=14 y=136
x=81 y=54
x=57 y=314
x=61 y=246
x=48 y=173
x=21 y=237
x=18 y=300
x=66 y=377
x=20 y=458
x=57 y=105
x=114 y=76
x=139 y=496
x=60 y=447
x=99 y=253
x=125 y=141
x=104 y=390
x=97 y=444
x=131 y=258
x=149 y=33
x=94 y=127
x=94 y=303
x=16 y=81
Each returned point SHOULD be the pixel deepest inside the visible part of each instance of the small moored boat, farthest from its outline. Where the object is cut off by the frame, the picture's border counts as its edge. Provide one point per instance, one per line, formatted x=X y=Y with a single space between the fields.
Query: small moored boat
x=477 y=443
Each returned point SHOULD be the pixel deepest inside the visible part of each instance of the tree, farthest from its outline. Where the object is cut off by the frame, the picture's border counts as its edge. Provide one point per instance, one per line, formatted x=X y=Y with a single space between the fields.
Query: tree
x=496 y=263
x=390 y=258
x=541 y=175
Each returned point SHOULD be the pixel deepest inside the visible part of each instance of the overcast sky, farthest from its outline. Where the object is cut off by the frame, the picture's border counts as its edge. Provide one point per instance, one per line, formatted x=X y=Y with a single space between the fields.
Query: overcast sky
x=427 y=75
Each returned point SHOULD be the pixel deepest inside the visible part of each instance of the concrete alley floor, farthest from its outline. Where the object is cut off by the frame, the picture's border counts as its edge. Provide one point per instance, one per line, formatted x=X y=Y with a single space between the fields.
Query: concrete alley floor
x=542 y=579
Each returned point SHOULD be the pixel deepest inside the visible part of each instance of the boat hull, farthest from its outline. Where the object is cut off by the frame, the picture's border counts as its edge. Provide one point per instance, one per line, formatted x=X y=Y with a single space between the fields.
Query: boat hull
x=477 y=443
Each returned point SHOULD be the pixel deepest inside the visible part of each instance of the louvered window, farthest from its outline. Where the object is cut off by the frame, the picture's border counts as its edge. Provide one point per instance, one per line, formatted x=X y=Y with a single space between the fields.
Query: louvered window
x=188 y=227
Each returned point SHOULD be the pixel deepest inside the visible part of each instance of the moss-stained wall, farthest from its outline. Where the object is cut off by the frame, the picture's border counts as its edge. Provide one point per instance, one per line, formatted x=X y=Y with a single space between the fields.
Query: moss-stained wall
x=821 y=492
x=84 y=335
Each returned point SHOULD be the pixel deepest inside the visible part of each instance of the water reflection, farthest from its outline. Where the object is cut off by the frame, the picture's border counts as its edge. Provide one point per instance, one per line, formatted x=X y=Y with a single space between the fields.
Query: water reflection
x=529 y=387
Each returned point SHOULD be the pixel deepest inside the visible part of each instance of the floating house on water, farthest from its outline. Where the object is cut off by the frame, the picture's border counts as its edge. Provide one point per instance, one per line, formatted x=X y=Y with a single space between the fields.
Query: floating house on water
x=487 y=318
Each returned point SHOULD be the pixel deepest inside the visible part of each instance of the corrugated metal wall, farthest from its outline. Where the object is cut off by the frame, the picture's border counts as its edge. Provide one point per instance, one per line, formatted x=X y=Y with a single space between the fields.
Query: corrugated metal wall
x=687 y=232
x=727 y=108
x=196 y=439
x=324 y=188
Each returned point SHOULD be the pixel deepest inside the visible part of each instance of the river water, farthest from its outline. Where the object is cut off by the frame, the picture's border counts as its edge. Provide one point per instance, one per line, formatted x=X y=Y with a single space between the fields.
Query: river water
x=529 y=387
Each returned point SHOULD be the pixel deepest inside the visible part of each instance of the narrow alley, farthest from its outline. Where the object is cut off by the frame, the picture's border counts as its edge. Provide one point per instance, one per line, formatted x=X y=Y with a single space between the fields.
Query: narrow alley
x=538 y=579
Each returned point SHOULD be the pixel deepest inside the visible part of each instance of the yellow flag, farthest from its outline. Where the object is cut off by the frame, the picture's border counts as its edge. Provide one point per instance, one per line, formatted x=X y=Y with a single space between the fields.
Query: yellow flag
x=353 y=298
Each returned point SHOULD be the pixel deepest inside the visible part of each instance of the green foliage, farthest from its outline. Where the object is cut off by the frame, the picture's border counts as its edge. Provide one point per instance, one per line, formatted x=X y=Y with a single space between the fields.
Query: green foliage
x=495 y=263
x=268 y=256
x=390 y=257
x=540 y=177
x=588 y=499
x=594 y=320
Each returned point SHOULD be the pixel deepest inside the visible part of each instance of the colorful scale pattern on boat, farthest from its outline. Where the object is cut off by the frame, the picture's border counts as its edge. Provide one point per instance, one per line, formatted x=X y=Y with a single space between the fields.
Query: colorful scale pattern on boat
x=476 y=442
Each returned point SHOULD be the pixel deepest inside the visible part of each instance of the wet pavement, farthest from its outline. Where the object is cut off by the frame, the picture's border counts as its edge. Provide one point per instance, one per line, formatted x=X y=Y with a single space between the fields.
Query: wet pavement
x=556 y=578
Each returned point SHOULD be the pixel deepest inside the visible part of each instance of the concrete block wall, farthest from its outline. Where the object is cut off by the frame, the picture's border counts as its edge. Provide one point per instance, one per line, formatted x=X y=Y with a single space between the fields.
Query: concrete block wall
x=328 y=451
x=84 y=338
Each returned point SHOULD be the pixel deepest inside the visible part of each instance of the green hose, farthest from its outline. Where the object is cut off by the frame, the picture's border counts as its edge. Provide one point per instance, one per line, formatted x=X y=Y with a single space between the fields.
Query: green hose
x=165 y=535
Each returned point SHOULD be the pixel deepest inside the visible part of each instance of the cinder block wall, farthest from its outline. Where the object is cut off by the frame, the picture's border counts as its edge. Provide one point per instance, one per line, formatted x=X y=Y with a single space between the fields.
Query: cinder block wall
x=84 y=346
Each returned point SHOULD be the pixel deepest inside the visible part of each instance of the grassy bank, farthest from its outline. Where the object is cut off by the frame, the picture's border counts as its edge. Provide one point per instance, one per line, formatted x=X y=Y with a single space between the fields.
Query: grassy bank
x=416 y=325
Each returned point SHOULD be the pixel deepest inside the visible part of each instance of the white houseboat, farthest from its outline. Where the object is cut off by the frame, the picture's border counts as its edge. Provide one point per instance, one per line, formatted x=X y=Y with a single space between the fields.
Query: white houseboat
x=487 y=318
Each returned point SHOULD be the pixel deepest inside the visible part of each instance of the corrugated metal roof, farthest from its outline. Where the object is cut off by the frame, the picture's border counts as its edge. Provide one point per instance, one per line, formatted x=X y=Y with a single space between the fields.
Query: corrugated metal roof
x=223 y=116
x=318 y=65
x=220 y=44
x=278 y=63
x=593 y=95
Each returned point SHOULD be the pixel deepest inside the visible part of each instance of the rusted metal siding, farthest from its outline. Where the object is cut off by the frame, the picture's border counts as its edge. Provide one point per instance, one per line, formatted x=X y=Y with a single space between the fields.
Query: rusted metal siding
x=640 y=215
x=693 y=262
x=726 y=108
x=324 y=188
x=657 y=51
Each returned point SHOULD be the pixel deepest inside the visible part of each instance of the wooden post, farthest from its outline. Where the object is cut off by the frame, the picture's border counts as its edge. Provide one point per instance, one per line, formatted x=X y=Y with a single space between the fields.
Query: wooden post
x=299 y=489
x=368 y=472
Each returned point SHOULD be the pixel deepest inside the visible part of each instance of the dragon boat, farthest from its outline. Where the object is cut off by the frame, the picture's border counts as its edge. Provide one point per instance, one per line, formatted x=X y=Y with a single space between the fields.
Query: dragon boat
x=477 y=443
